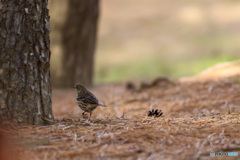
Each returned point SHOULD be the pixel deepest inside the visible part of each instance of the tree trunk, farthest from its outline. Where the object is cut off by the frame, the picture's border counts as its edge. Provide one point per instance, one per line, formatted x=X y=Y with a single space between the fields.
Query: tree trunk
x=25 y=90
x=79 y=41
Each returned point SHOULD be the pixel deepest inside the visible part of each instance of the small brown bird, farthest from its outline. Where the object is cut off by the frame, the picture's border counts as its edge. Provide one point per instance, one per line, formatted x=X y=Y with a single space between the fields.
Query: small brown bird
x=86 y=100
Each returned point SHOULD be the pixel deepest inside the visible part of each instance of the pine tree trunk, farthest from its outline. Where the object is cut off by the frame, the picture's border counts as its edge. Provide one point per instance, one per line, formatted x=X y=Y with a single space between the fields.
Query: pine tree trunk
x=79 y=41
x=25 y=90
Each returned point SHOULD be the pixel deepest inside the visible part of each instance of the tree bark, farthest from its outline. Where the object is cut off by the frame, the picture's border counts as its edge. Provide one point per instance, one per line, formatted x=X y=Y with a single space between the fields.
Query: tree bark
x=79 y=41
x=25 y=90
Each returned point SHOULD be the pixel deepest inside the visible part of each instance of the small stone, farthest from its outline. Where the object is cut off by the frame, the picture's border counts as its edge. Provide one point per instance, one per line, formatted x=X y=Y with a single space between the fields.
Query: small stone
x=26 y=10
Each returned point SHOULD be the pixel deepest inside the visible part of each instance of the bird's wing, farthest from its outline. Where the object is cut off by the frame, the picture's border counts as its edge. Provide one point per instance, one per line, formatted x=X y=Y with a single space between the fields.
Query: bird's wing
x=88 y=99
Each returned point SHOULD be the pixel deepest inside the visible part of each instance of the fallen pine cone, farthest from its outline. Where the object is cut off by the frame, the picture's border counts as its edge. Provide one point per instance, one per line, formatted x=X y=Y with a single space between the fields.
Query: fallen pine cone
x=155 y=113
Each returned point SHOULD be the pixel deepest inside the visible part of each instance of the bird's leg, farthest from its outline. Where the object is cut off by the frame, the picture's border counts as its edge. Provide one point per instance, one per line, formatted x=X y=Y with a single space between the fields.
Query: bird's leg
x=83 y=114
x=90 y=116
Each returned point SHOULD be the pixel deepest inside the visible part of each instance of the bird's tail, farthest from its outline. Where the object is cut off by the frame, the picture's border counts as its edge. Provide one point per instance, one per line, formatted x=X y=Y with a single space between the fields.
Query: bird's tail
x=102 y=105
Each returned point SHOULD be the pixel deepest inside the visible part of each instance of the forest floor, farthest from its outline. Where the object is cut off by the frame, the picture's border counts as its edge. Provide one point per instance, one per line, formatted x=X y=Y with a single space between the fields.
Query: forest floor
x=199 y=116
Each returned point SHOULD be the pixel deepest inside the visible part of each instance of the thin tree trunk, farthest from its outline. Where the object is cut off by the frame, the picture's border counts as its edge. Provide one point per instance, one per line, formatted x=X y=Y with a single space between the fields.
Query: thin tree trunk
x=79 y=41
x=25 y=90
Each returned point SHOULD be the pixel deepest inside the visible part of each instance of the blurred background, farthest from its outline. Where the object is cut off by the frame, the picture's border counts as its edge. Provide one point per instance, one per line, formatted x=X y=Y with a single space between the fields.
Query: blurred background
x=139 y=40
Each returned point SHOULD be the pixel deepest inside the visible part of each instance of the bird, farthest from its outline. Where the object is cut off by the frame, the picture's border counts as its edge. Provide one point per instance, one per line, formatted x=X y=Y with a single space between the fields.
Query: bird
x=86 y=100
